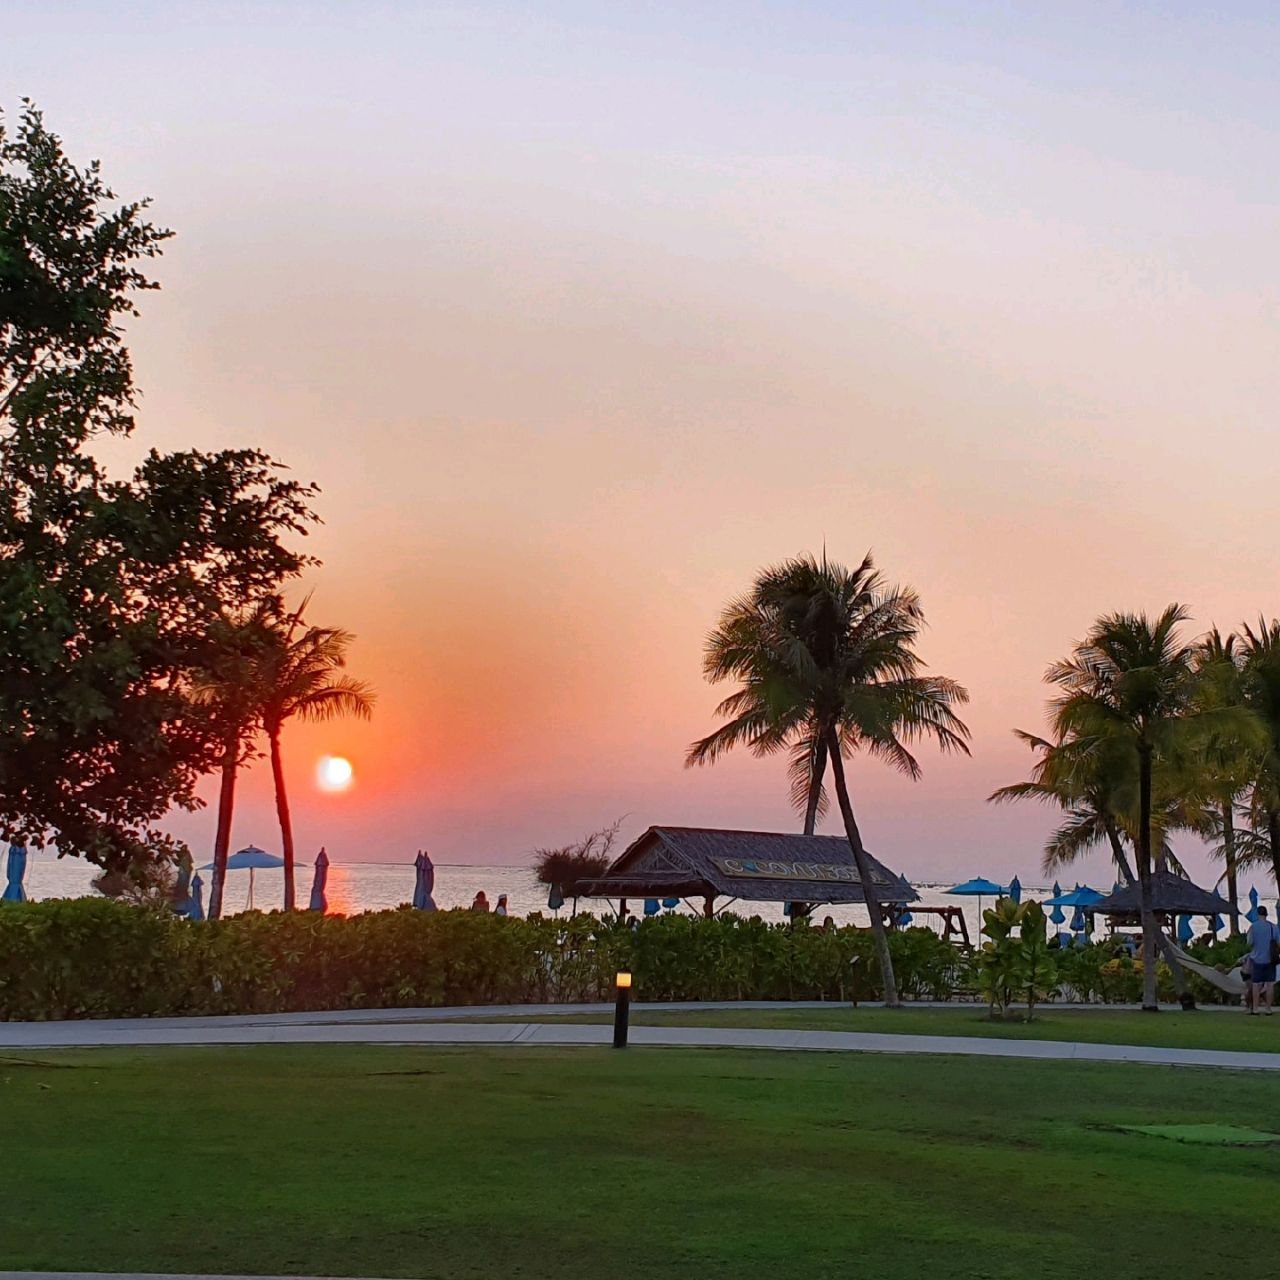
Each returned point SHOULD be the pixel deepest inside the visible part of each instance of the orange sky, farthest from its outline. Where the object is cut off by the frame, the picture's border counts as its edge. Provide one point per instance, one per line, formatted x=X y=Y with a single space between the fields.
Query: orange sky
x=577 y=322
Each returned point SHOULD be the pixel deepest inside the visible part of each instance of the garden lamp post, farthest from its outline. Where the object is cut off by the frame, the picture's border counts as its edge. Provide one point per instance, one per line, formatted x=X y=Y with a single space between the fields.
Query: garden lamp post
x=622 y=1010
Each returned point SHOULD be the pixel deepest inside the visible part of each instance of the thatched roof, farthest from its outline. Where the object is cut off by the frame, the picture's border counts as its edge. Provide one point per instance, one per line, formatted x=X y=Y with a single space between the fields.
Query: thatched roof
x=759 y=866
x=1170 y=893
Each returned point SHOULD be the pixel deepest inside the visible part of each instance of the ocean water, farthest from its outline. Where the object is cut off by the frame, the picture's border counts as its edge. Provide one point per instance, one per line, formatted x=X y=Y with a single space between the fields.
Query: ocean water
x=380 y=886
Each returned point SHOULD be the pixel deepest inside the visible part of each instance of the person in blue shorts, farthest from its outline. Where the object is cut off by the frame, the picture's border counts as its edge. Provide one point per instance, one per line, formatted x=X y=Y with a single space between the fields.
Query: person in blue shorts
x=1264 y=942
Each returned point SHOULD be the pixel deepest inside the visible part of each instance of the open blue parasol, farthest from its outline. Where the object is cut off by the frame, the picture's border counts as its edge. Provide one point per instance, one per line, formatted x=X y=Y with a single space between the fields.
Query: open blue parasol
x=652 y=906
x=250 y=859
x=15 y=870
x=318 y=900
x=976 y=888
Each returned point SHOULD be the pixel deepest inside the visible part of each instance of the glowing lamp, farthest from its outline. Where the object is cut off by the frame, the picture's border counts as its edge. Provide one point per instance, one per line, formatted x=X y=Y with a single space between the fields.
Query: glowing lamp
x=622 y=1010
x=623 y=980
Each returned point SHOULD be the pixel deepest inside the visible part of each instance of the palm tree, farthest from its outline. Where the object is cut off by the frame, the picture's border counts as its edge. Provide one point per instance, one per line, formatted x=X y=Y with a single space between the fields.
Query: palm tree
x=826 y=662
x=1260 y=689
x=228 y=689
x=1095 y=784
x=299 y=676
x=1228 y=762
x=1133 y=681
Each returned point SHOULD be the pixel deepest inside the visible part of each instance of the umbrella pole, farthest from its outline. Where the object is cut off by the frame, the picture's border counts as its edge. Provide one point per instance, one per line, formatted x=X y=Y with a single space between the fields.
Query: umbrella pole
x=250 y=888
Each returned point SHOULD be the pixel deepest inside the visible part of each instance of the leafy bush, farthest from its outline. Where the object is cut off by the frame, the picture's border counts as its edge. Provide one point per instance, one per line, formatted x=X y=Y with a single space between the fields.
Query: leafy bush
x=95 y=958
x=1015 y=965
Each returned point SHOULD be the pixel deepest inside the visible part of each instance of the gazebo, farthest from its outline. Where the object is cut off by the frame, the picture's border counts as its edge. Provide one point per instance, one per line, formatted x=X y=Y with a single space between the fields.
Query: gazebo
x=709 y=863
x=1171 y=895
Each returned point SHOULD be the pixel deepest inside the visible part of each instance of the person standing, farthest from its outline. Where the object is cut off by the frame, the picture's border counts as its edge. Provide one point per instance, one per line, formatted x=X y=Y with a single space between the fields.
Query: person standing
x=1264 y=950
x=501 y=908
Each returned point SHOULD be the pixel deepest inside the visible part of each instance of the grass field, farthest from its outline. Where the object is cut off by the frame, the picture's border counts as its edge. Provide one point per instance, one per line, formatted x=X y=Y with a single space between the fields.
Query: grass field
x=1197 y=1030
x=534 y=1163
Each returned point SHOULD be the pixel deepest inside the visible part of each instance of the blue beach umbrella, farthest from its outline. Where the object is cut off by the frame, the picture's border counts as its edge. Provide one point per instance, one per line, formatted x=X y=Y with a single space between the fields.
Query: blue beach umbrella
x=250 y=859
x=195 y=904
x=182 y=890
x=15 y=870
x=1185 y=932
x=905 y=918
x=555 y=899
x=652 y=906
x=318 y=900
x=426 y=882
x=670 y=904
x=1252 y=914
x=1078 y=923
x=1015 y=889
x=977 y=888
x=1057 y=915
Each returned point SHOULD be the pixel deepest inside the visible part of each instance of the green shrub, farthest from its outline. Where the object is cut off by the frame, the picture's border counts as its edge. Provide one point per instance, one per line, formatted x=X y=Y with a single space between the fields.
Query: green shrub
x=96 y=958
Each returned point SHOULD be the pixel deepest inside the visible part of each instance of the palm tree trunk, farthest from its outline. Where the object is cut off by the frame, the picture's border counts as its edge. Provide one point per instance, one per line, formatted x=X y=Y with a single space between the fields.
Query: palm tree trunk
x=1229 y=852
x=1146 y=914
x=286 y=823
x=864 y=873
x=1273 y=839
x=1180 y=983
x=222 y=837
x=815 y=788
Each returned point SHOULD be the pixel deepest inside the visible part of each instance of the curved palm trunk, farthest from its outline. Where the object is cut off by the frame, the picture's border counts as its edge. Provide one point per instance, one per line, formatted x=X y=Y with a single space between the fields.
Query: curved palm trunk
x=815 y=788
x=1229 y=852
x=222 y=837
x=1147 y=915
x=286 y=823
x=864 y=873
x=1180 y=983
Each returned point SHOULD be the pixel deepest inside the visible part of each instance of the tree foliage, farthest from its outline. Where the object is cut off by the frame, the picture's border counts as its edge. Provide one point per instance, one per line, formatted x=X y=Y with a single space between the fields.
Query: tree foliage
x=110 y=588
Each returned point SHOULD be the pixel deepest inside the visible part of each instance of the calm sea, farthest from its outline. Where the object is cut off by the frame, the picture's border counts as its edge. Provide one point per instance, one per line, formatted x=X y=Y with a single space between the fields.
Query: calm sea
x=379 y=886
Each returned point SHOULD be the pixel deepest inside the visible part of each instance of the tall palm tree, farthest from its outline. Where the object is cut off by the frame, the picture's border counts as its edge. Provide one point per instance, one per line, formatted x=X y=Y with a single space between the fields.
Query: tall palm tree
x=1133 y=680
x=1260 y=689
x=300 y=676
x=826 y=664
x=1229 y=762
x=228 y=688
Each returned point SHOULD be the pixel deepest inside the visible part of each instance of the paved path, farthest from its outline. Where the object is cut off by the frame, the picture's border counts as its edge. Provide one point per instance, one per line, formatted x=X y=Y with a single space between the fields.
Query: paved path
x=307 y=1029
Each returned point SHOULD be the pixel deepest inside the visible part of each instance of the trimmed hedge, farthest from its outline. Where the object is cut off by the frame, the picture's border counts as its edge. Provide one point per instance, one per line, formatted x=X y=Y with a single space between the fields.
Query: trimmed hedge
x=96 y=958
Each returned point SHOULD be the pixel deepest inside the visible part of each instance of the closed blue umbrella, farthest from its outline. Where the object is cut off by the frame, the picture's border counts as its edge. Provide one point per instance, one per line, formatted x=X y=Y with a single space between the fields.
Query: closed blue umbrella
x=555 y=899
x=1078 y=923
x=1252 y=914
x=318 y=900
x=15 y=870
x=426 y=882
x=652 y=906
x=1185 y=932
x=195 y=904
x=1057 y=915
x=1015 y=889
x=182 y=890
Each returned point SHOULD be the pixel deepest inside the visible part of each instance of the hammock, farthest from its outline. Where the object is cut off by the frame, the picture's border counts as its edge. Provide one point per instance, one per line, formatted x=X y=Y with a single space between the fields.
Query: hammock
x=1232 y=983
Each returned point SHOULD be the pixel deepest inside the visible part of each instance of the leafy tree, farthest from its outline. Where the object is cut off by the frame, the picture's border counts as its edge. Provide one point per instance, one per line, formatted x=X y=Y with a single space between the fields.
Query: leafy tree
x=301 y=676
x=826 y=663
x=567 y=866
x=110 y=588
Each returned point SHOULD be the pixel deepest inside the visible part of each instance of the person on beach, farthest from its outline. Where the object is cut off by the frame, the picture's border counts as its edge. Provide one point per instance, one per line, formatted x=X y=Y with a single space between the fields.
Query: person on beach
x=501 y=908
x=1264 y=947
x=480 y=903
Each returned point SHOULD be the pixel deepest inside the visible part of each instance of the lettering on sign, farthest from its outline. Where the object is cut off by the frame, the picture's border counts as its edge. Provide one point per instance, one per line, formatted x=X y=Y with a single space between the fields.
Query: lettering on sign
x=768 y=869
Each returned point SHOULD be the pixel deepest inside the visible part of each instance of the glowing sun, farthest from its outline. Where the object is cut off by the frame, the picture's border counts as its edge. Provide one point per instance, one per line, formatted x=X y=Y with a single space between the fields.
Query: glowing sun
x=334 y=773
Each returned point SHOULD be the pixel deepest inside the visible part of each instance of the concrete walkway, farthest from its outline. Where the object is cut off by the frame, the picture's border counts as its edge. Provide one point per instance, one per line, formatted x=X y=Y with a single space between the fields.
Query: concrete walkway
x=383 y=1027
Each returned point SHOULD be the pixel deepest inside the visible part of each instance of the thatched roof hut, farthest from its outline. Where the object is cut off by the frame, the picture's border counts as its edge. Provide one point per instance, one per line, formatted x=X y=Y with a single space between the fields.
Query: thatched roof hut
x=756 y=866
x=1171 y=895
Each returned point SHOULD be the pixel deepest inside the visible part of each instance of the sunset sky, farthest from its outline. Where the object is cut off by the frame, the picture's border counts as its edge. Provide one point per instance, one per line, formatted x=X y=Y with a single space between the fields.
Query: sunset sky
x=579 y=314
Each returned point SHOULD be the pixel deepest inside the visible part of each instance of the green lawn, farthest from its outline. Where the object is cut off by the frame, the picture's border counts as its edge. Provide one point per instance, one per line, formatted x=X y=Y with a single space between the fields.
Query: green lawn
x=532 y=1163
x=1197 y=1030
